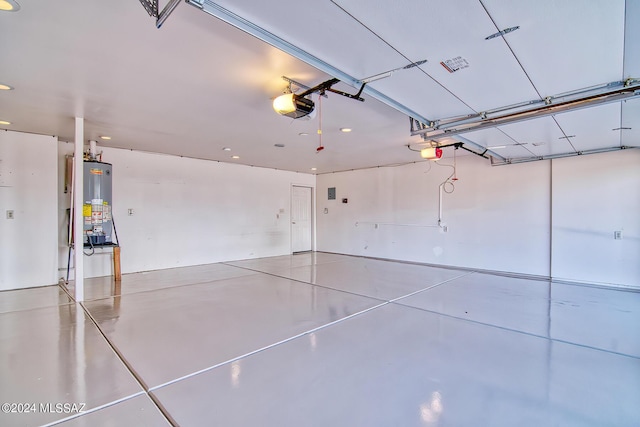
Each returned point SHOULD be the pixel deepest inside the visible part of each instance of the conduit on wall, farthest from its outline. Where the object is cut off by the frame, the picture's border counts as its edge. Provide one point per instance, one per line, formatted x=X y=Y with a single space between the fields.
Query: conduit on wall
x=442 y=188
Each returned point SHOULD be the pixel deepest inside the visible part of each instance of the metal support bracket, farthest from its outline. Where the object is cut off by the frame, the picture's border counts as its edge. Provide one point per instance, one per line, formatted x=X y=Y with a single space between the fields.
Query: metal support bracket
x=326 y=86
x=152 y=8
x=458 y=145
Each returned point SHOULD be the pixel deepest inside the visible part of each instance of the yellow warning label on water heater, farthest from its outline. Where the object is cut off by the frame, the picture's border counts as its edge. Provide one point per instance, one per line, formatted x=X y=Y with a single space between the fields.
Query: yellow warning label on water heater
x=86 y=210
x=96 y=171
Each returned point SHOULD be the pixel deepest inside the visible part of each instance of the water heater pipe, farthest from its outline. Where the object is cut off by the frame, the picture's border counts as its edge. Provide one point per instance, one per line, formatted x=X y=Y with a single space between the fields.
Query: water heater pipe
x=92 y=150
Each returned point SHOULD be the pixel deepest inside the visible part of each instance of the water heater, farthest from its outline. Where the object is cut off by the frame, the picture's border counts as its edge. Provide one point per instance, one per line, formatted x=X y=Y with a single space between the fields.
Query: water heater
x=97 y=207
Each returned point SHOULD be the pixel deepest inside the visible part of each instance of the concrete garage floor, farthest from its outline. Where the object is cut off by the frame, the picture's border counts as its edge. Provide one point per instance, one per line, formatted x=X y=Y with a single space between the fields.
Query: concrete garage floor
x=320 y=339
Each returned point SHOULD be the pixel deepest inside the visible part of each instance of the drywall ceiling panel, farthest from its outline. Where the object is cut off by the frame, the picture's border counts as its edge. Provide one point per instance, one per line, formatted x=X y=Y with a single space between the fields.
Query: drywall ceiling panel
x=323 y=30
x=632 y=40
x=452 y=33
x=630 y=132
x=592 y=128
x=542 y=136
x=417 y=91
x=499 y=142
x=565 y=45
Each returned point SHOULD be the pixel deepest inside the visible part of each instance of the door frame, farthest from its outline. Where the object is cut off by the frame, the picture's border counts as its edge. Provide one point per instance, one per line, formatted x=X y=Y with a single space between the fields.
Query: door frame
x=313 y=217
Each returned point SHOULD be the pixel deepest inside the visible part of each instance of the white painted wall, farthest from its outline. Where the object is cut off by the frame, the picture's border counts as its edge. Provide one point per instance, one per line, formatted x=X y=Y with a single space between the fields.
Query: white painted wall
x=190 y=212
x=593 y=196
x=498 y=218
x=28 y=173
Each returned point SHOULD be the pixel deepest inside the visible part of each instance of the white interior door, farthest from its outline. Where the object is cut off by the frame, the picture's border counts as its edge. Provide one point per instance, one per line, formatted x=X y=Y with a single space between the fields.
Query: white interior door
x=301 y=219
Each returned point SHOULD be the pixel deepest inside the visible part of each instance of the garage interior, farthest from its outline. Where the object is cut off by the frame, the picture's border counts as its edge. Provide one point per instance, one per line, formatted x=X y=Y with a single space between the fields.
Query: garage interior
x=448 y=233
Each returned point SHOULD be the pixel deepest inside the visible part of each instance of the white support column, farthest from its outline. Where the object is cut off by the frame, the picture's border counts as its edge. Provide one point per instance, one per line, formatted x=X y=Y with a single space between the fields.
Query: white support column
x=78 y=220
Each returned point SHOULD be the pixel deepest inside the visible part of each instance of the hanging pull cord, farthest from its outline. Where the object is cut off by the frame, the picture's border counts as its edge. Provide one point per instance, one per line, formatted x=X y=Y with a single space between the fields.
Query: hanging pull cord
x=320 y=147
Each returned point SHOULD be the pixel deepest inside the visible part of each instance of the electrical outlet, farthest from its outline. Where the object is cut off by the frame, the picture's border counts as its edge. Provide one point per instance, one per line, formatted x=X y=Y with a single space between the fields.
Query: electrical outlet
x=10 y=214
x=617 y=235
x=130 y=212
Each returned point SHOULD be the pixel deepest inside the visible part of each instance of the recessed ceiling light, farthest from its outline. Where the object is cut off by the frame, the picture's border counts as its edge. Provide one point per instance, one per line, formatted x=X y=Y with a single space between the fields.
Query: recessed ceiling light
x=4 y=122
x=9 y=6
x=314 y=169
x=105 y=137
x=303 y=134
x=497 y=147
x=345 y=130
x=5 y=87
x=226 y=149
x=279 y=145
x=235 y=157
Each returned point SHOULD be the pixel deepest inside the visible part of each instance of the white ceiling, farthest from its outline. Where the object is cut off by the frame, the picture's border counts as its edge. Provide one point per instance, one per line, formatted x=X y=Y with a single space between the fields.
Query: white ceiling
x=197 y=84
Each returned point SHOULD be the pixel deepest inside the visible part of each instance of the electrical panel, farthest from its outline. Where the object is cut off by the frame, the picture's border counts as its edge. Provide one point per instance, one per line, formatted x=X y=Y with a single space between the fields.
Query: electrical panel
x=332 y=193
